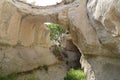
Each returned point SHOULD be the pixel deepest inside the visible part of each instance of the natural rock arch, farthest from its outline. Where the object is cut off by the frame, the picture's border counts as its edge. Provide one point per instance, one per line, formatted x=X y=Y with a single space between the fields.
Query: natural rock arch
x=23 y=36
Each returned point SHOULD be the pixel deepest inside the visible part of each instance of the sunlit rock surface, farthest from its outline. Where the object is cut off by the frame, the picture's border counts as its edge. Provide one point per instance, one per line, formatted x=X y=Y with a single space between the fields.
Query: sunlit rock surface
x=24 y=39
x=95 y=30
x=93 y=25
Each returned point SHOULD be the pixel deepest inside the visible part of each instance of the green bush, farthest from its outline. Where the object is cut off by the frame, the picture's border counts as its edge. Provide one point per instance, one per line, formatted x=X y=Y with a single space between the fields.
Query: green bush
x=75 y=75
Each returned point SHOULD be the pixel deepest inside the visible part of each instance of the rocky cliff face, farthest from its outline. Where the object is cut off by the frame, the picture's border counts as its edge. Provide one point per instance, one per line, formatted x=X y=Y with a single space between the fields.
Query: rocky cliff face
x=104 y=16
x=93 y=25
x=95 y=30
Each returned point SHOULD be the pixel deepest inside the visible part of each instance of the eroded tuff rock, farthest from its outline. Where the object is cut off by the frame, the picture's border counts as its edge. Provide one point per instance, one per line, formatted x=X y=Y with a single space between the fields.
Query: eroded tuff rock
x=93 y=24
x=24 y=39
x=95 y=30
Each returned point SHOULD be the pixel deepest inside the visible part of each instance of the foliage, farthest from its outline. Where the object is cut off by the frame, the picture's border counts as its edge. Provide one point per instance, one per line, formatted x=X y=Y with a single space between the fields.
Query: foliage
x=75 y=75
x=10 y=77
x=55 y=31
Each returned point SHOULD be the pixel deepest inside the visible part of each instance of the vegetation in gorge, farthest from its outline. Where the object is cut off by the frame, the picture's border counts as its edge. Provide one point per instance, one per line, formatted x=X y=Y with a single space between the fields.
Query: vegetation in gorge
x=75 y=75
x=56 y=31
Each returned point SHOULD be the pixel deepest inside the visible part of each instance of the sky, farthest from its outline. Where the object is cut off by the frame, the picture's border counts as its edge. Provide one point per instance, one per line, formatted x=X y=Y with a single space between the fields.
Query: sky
x=44 y=2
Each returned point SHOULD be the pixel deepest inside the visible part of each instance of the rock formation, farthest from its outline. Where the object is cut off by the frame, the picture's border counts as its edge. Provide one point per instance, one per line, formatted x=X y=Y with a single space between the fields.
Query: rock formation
x=95 y=31
x=24 y=39
x=93 y=25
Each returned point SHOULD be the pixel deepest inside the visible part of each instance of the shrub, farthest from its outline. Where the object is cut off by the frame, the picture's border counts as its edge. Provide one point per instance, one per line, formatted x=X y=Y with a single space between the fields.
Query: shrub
x=75 y=75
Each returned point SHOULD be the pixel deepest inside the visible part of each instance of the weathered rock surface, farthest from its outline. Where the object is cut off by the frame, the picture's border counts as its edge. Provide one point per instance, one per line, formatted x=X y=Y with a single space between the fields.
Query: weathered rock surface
x=54 y=72
x=21 y=59
x=95 y=31
x=24 y=39
x=93 y=25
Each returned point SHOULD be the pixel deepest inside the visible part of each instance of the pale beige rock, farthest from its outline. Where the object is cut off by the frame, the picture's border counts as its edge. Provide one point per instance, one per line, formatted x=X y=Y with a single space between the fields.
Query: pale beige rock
x=21 y=59
x=104 y=17
x=63 y=18
x=33 y=31
x=93 y=25
x=95 y=31
x=8 y=21
x=83 y=35
x=54 y=72
x=24 y=39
